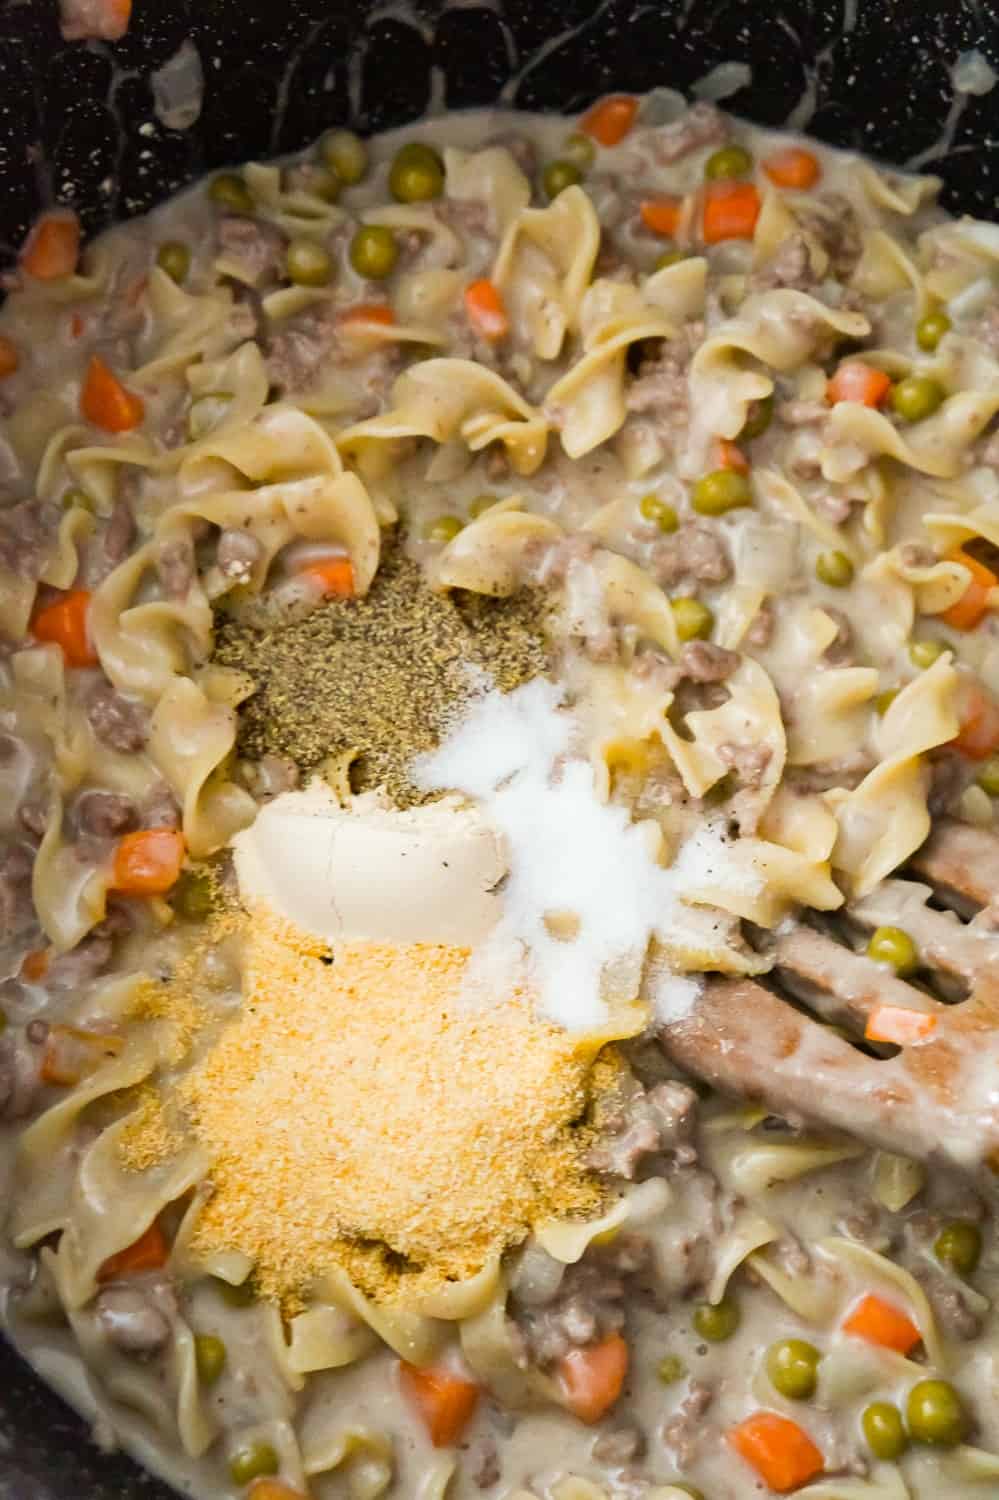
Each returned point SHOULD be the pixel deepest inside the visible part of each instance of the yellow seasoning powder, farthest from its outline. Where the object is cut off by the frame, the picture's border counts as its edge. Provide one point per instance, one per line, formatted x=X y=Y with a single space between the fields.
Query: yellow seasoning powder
x=363 y=1113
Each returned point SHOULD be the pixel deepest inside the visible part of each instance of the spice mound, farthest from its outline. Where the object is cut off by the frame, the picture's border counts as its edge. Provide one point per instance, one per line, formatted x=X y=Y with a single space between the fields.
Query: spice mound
x=361 y=1112
x=379 y=676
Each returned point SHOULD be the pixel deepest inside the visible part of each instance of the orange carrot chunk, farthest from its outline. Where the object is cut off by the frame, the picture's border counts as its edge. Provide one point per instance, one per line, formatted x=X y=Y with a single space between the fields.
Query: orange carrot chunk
x=486 y=311
x=731 y=210
x=148 y=1253
x=978 y=736
x=334 y=576
x=368 y=312
x=899 y=1025
x=855 y=381
x=445 y=1402
x=105 y=401
x=610 y=119
x=780 y=1451
x=65 y=623
x=881 y=1323
x=10 y=359
x=592 y=1378
x=35 y=965
x=662 y=215
x=794 y=167
x=147 y=863
x=731 y=456
x=52 y=249
x=273 y=1489
x=969 y=610
x=72 y=1052
x=95 y=20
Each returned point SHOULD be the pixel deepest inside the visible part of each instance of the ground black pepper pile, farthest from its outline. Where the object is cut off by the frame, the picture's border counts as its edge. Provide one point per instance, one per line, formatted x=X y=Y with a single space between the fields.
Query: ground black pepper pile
x=382 y=675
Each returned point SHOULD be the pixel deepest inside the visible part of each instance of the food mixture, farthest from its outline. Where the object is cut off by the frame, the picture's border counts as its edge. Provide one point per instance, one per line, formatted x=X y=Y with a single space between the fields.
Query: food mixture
x=490 y=617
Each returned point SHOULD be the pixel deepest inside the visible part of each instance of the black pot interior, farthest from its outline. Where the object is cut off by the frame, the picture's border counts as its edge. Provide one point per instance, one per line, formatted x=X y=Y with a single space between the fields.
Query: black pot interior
x=77 y=126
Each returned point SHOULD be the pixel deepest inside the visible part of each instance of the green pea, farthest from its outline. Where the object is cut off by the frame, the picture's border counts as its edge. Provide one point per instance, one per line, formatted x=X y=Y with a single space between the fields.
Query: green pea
x=557 y=176
x=174 y=258
x=988 y=776
x=229 y=191
x=924 y=653
x=834 y=569
x=935 y=1414
x=931 y=329
x=758 y=419
x=658 y=511
x=694 y=620
x=792 y=1365
x=416 y=175
x=346 y=154
x=243 y=1295
x=883 y=1431
x=719 y=491
x=374 y=252
x=670 y=258
x=916 y=397
x=308 y=263
x=671 y=1369
x=443 y=529
x=579 y=150
x=481 y=504
x=890 y=945
x=76 y=498
x=206 y=413
x=959 y=1245
x=884 y=701
x=728 y=162
x=210 y=1357
x=717 y=1322
x=192 y=896
x=253 y=1461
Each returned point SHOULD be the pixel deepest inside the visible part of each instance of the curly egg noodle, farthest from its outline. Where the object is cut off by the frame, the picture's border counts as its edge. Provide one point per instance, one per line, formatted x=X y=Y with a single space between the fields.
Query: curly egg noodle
x=505 y=607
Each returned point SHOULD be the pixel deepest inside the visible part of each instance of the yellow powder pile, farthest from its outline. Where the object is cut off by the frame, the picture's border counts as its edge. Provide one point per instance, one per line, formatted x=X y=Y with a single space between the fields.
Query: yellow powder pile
x=361 y=1113
x=151 y=1136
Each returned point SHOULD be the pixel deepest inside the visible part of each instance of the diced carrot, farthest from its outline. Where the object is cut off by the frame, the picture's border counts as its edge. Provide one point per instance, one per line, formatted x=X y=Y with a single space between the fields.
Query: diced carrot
x=855 y=381
x=10 y=359
x=591 y=1378
x=446 y=1402
x=72 y=1052
x=147 y=863
x=794 y=167
x=780 y=1451
x=106 y=402
x=35 y=965
x=969 y=610
x=52 y=249
x=731 y=210
x=486 y=312
x=368 y=312
x=662 y=215
x=978 y=736
x=65 y=623
x=335 y=576
x=899 y=1025
x=881 y=1323
x=274 y=1489
x=95 y=20
x=610 y=119
x=148 y=1253
x=731 y=456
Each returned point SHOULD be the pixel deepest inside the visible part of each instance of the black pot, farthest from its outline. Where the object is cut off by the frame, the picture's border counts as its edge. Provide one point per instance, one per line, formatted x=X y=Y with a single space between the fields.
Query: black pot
x=77 y=126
